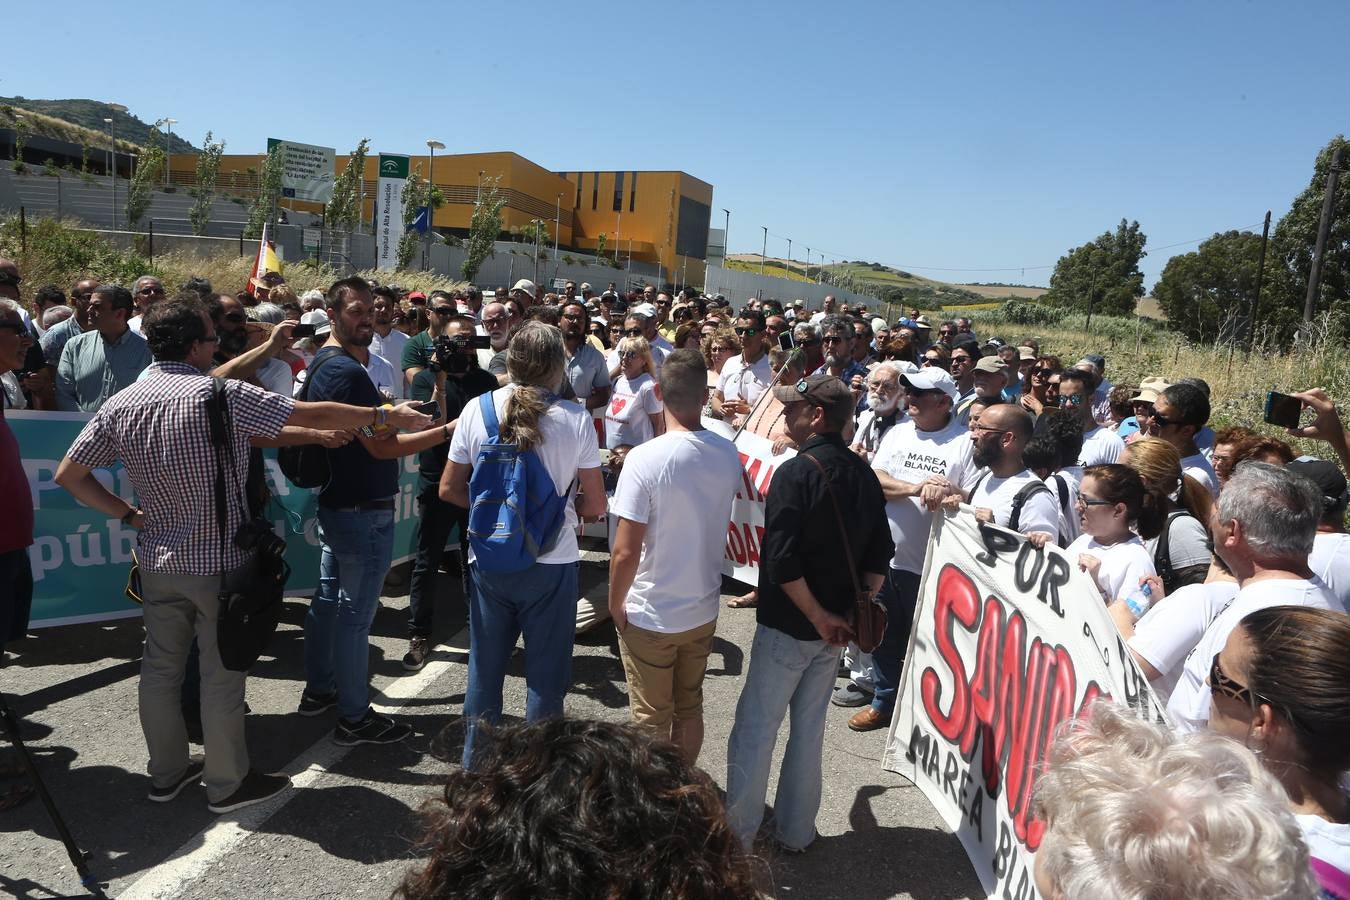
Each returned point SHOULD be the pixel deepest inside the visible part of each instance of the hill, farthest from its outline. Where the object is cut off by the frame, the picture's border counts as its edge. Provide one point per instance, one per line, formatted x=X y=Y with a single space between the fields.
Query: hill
x=81 y=121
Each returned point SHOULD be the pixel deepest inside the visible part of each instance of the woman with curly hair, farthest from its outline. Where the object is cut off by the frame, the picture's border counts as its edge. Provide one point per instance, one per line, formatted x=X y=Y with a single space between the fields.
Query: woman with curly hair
x=576 y=808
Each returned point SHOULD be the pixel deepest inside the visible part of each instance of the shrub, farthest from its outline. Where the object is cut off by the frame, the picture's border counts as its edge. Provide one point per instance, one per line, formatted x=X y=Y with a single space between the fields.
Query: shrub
x=1017 y=312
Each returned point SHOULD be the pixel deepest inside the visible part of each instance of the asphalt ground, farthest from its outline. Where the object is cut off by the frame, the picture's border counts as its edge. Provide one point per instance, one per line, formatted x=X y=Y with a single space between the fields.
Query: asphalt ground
x=350 y=826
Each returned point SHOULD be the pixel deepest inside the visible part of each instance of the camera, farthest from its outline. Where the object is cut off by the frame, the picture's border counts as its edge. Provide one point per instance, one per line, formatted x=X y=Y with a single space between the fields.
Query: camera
x=453 y=354
x=257 y=534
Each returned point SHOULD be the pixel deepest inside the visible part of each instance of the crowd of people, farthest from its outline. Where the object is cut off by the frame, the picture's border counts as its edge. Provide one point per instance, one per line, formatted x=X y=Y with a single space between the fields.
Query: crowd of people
x=1221 y=556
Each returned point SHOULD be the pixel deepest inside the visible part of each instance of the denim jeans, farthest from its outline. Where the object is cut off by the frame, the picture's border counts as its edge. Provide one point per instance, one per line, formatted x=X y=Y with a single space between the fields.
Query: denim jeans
x=541 y=603
x=899 y=594
x=356 y=550
x=785 y=674
x=438 y=520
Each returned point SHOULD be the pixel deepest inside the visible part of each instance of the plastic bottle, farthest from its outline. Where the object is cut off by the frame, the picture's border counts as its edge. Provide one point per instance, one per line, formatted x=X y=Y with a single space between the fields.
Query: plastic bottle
x=1140 y=600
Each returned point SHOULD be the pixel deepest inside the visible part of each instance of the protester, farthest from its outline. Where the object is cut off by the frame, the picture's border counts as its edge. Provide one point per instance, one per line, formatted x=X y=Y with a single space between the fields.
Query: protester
x=1181 y=550
x=1179 y=413
x=1116 y=512
x=1226 y=442
x=1133 y=810
x=248 y=350
x=1121 y=403
x=938 y=357
x=634 y=412
x=1009 y=494
x=806 y=590
x=1281 y=687
x=990 y=380
x=586 y=374
x=745 y=376
x=921 y=462
x=1330 y=558
x=806 y=338
x=388 y=342
x=719 y=346
x=964 y=355
x=103 y=360
x=180 y=554
x=1263 y=529
x=55 y=338
x=1101 y=445
x=419 y=349
x=453 y=382
x=1060 y=440
x=45 y=299
x=883 y=410
x=356 y=526
x=146 y=291
x=674 y=491
x=1041 y=392
x=541 y=600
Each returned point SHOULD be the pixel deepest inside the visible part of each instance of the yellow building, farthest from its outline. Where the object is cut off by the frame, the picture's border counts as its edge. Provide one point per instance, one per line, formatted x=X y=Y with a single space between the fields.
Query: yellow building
x=656 y=217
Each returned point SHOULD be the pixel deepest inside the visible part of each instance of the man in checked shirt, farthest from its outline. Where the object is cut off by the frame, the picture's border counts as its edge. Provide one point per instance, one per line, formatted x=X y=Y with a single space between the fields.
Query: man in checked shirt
x=159 y=429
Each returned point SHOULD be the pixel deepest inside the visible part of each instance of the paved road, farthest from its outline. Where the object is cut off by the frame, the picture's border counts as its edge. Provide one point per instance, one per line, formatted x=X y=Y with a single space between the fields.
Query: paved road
x=348 y=828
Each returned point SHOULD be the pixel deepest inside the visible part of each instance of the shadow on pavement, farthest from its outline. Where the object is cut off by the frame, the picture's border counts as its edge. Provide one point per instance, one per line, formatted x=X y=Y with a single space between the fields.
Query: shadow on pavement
x=350 y=822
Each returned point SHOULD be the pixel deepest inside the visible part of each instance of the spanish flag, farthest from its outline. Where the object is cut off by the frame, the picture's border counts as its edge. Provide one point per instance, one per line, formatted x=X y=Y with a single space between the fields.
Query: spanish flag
x=266 y=261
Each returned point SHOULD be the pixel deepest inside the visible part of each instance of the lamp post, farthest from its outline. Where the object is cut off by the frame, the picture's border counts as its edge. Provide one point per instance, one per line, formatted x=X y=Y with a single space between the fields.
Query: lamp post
x=557 y=231
x=112 y=165
x=168 y=138
x=726 y=239
x=432 y=145
x=764 y=251
x=789 y=259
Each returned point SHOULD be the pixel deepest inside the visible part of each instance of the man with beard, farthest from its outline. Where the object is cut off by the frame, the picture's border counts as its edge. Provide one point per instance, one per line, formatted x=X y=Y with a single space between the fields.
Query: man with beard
x=388 y=341
x=497 y=323
x=585 y=370
x=417 y=351
x=883 y=410
x=356 y=522
x=1009 y=494
x=236 y=359
x=837 y=338
x=745 y=376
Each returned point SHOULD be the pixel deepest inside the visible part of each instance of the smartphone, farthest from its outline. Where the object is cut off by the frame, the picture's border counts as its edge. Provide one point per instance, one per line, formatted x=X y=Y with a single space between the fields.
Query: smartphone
x=1283 y=410
x=430 y=408
x=785 y=341
x=302 y=331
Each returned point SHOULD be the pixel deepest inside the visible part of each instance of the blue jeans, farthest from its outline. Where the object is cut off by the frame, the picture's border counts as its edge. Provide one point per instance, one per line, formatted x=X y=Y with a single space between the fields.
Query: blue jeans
x=785 y=674
x=899 y=594
x=356 y=551
x=541 y=603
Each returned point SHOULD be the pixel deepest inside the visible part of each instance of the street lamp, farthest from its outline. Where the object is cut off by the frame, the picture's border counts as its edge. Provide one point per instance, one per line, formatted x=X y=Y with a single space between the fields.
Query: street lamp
x=789 y=259
x=432 y=145
x=557 y=231
x=764 y=251
x=726 y=239
x=112 y=164
x=168 y=138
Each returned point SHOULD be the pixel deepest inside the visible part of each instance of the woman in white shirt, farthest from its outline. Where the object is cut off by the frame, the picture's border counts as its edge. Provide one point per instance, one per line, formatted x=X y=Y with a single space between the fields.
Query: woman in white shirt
x=1281 y=685
x=1181 y=550
x=1112 y=504
x=634 y=411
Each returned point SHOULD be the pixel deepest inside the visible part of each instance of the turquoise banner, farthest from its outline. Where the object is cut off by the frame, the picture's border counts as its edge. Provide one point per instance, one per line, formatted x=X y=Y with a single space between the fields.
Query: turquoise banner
x=81 y=558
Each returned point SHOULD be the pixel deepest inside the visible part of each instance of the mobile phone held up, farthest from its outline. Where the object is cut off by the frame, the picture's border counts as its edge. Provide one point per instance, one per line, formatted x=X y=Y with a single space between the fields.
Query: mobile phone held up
x=430 y=408
x=1283 y=410
x=302 y=331
x=785 y=341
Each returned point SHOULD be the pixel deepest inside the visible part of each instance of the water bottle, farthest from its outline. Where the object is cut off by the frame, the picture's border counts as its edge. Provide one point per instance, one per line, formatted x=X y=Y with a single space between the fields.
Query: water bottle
x=1139 y=601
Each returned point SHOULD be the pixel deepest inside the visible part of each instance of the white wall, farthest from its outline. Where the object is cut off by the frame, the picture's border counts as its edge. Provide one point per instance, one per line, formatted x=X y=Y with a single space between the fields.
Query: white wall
x=737 y=285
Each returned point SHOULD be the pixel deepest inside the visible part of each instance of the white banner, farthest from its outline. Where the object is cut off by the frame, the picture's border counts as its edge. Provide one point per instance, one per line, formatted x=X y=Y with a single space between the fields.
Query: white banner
x=389 y=208
x=746 y=531
x=1008 y=642
x=307 y=170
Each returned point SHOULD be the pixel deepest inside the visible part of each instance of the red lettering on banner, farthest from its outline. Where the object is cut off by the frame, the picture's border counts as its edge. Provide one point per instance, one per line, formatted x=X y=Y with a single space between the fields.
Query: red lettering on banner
x=735 y=546
x=751 y=545
x=957 y=603
x=764 y=482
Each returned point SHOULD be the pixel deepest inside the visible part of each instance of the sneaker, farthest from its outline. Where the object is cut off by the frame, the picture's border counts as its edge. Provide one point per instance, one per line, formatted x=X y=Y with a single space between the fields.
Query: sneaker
x=373 y=729
x=255 y=788
x=191 y=775
x=313 y=704
x=851 y=694
x=419 y=648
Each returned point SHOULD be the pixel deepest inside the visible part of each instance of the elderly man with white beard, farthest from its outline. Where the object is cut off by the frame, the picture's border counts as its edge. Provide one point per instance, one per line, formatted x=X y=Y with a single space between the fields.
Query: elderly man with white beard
x=881 y=412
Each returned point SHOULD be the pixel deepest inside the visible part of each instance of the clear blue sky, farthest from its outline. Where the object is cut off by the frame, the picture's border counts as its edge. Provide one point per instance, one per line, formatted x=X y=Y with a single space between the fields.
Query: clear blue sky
x=964 y=135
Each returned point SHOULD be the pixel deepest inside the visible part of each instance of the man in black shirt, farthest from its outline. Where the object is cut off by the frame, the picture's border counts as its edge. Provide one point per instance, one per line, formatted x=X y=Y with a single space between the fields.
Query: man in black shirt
x=805 y=595
x=454 y=384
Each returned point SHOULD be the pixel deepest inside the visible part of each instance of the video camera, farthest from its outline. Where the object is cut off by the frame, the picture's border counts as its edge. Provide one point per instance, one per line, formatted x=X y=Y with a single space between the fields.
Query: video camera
x=453 y=354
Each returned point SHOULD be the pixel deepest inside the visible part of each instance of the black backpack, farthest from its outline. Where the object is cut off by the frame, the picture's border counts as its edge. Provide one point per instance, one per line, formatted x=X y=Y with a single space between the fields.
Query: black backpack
x=1162 y=552
x=1020 y=500
x=306 y=466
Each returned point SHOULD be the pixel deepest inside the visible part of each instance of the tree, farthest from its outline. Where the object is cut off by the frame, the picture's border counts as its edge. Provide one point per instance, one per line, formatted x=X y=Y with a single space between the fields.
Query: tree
x=142 y=183
x=1207 y=293
x=415 y=195
x=601 y=240
x=1295 y=237
x=484 y=227
x=264 y=206
x=1107 y=270
x=208 y=169
x=344 y=208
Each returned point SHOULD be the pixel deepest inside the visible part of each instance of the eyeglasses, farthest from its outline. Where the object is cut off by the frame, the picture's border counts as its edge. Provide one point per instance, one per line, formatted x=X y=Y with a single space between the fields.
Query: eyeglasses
x=722 y=348
x=1041 y=373
x=443 y=310
x=961 y=360
x=834 y=339
x=633 y=332
x=935 y=361
x=627 y=354
x=989 y=428
x=496 y=320
x=746 y=332
x=1092 y=501
x=1162 y=421
x=813 y=342
x=1072 y=399
x=1222 y=683
x=234 y=317
x=147 y=291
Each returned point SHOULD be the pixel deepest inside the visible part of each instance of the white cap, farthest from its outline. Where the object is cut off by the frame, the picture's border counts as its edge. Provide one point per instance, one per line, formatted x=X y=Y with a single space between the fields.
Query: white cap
x=879 y=324
x=319 y=319
x=931 y=378
x=525 y=285
x=645 y=309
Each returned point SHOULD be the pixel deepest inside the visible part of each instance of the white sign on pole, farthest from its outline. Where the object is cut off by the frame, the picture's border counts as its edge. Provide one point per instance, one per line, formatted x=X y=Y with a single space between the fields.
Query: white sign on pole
x=1008 y=643
x=389 y=205
x=311 y=237
x=307 y=171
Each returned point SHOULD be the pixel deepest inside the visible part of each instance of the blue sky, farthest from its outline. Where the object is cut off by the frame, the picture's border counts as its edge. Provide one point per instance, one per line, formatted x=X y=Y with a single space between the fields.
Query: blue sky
x=931 y=136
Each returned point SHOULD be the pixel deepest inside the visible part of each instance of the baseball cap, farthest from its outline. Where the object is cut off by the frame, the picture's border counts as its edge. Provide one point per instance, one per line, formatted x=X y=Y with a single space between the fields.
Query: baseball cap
x=991 y=364
x=525 y=285
x=826 y=391
x=1150 y=389
x=1026 y=354
x=931 y=379
x=1328 y=478
x=879 y=324
x=417 y=295
x=905 y=322
x=645 y=309
x=922 y=322
x=585 y=287
x=319 y=319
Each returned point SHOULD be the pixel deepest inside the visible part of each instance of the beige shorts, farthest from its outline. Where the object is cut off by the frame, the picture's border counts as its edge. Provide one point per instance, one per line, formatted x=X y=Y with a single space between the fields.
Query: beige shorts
x=665 y=673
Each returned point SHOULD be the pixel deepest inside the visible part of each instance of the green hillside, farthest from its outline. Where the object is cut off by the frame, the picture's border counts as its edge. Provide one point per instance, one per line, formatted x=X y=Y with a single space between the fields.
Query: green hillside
x=89 y=115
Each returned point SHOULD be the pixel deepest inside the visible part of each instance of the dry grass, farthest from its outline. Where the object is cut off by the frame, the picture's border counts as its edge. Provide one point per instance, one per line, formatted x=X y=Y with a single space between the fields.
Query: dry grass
x=229 y=273
x=1002 y=290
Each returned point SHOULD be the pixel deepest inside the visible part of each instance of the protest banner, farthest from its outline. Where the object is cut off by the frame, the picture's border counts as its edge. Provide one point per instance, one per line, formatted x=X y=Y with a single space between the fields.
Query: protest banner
x=745 y=532
x=81 y=558
x=307 y=170
x=389 y=208
x=1008 y=642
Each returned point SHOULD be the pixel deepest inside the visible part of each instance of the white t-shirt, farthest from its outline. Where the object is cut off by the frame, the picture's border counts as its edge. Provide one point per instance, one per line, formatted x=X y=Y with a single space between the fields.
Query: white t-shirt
x=630 y=404
x=391 y=347
x=134 y=323
x=912 y=455
x=1198 y=467
x=1188 y=707
x=1187 y=542
x=658 y=357
x=741 y=382
x=1039 y=513
x=1330 y=561
x=568 y=443
x=1326 y=841
x=275 y=376
x=681 y=485
x=1174 y=625
x=1069 y=524
x=1123 y=563
x=388 y=380
x=872 y=428
x=1100 y=446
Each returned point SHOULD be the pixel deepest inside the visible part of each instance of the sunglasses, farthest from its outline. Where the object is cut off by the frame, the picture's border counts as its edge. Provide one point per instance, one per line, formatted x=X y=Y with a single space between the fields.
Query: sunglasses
x=1162 y=421
x=572 y=317
x=746 y=332
x=1222 y=683
x=145 y=292
x=811 y=343
x=633 y=332
x=496 y=320
x=234 y=317
x=443 y=310
x=990 y=429
x=935 y=361
x=1041 y=373
x=1073 y=400
x=722 y=348
x=961 y=360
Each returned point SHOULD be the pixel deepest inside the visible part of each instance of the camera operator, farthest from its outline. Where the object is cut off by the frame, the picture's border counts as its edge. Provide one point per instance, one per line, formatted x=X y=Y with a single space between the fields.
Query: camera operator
x=163 y=417
x=453 y=379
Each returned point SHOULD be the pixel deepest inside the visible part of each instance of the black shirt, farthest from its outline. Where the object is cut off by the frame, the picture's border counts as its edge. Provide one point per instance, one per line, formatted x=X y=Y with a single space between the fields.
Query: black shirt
x=801 y=534
x=356 y=475
x=458 y=392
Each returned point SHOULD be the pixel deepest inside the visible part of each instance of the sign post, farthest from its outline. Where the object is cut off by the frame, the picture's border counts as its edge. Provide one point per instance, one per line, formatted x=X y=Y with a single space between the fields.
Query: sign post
x=307 y=170
x=389 y=222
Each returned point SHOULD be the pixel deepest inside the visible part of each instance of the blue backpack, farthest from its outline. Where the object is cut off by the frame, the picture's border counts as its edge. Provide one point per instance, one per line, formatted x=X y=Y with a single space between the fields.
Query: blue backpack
x=515 y=512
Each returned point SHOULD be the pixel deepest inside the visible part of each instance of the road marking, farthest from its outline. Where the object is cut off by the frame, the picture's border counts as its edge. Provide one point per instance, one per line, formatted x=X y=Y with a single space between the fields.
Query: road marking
x=190 y=861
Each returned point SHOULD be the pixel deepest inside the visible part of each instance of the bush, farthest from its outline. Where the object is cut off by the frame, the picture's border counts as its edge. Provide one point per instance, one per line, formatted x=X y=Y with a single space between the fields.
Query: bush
x=1018 y=312
x=59 y=254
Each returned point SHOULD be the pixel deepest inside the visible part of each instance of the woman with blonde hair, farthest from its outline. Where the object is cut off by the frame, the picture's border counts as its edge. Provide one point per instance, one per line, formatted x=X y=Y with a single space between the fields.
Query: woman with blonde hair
x=539 y=601
x=634 y=413
x=1181 y=550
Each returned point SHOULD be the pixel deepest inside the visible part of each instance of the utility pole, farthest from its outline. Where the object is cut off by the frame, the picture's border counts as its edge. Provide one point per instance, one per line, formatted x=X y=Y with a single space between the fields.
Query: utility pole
x=1323 y=230
x=763 y=253
x=112 y=166
x=726 y=239
x=168 y=138
x=789 y=240
x=1260 y=276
